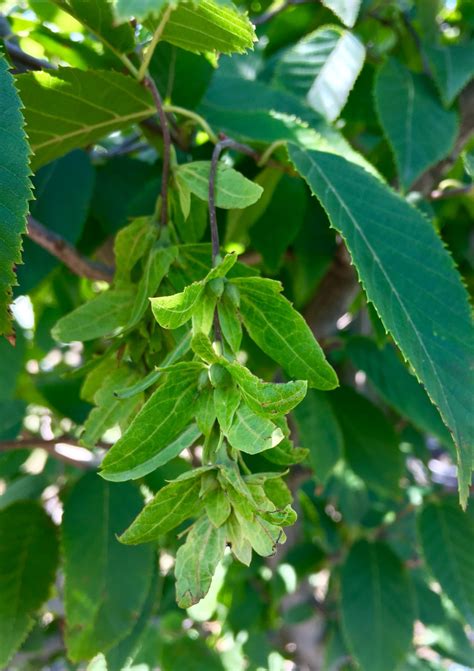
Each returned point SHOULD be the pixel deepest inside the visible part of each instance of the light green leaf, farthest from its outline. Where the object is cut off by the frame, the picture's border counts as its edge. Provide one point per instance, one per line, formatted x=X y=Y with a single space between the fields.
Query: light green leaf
x=230 y=323
x=203 y=314
x=411 y=279
x=202 y=346
x=106 y=583
x=453 y=67
x=346 y=10
x=83 y=107
x=397 y=386
x=322 y=68
x=98 y=17
x=239 y=544
x=132 y=243
x=281 y=332
x=205 y=411
x=266 y=398
x=416 y=145
x=262 y=535
x=209 y=26
x=15 y=189
x=226 y=402
x=110 y=410
x=28 y=560
x=173 y=311
x=252 y=433
x=371 y=445
x=158 y=264
x=320 y=432
x=158 y=424
x=140 y=9
x=171 y=506
x=377 y=606
x=197 y=560
x=447 y=539
x=101 y=316
x=232 y=190
x=217 y=506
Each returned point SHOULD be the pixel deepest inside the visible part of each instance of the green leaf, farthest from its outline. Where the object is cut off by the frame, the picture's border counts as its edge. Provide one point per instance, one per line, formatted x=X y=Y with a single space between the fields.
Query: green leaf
x=239 y=544
x=447 y=539
x=377 y=606
x=411 y=279
x=232 y=190
x=281 y=332
x=226 y=402
x=98 y=17
x=110 y=410
x=217 y=506
x=83 y=108
x=157 y=266
x=262 y=535
x=28 y=560
x=158 y=424
x=346 y=10
x=131 y=243
x=452 y=66
x=15 y=189
x=102 y=316
x=171 y=312
x=197 y=560
x=205 y=411
x=252 y=433
x=266 y=398
x=416 y=145
x=140 y=9
x=320 y=432
x=171 y=506
x=371 y=445
x=397 y=386
x=230 y=323
x=209 y=26
x=322 y=68
x=106 y=583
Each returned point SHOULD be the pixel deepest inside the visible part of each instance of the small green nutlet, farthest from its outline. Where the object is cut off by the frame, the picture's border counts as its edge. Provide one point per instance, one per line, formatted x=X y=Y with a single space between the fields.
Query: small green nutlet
x=232 y=293
x=218 y=376
x=216 y=286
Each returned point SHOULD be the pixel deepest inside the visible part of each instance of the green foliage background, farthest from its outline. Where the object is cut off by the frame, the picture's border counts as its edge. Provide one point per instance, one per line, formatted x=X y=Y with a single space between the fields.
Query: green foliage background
x=236 y=382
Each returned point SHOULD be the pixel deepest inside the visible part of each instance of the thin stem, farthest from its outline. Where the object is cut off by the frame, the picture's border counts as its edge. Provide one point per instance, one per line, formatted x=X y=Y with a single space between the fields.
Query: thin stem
x=441 y=194
x=65 y=252
x=218 y=149
x=175 y=109
x=51 y=447
x=19 y=56
x=272 y=12
x=154 y=41
x=269 y=151
x=151 y=86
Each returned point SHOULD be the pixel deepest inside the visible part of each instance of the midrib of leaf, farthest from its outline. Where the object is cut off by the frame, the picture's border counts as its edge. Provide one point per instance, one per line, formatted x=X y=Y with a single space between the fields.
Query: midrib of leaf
x=249 y=428
x=87 y=129
x=343 y=204
x=151 y=527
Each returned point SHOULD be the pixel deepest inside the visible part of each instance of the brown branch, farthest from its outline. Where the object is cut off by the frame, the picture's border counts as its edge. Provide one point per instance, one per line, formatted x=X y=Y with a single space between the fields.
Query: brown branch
x=165 y=129
x=20 y=57
x=50 y=446
x=65 y=252
x=440 y=194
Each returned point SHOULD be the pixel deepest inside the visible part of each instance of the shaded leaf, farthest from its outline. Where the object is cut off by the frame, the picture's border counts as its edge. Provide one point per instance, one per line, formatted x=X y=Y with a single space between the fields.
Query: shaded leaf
x=28 y=560
x=411 y=279
x=377 y=606
x=452 y=66
x=346 y=10
x=416 y=145
x=252 y=433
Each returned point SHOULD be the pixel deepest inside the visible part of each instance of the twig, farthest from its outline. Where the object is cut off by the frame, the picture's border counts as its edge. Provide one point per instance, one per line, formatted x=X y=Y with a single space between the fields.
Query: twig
x=50 y=446
x=441 y=194
x=418 y=43
x=266 y=16
x=151 y=86
x=19 y=56
x=175 y=109
x=65 y=252
x=154 y=41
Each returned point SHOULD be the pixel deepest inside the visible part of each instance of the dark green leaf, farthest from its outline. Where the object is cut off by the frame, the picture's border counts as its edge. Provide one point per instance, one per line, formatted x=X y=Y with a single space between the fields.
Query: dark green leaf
x=410 y=278
x=377 y=606
x=28 y=559
x=106 y=583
